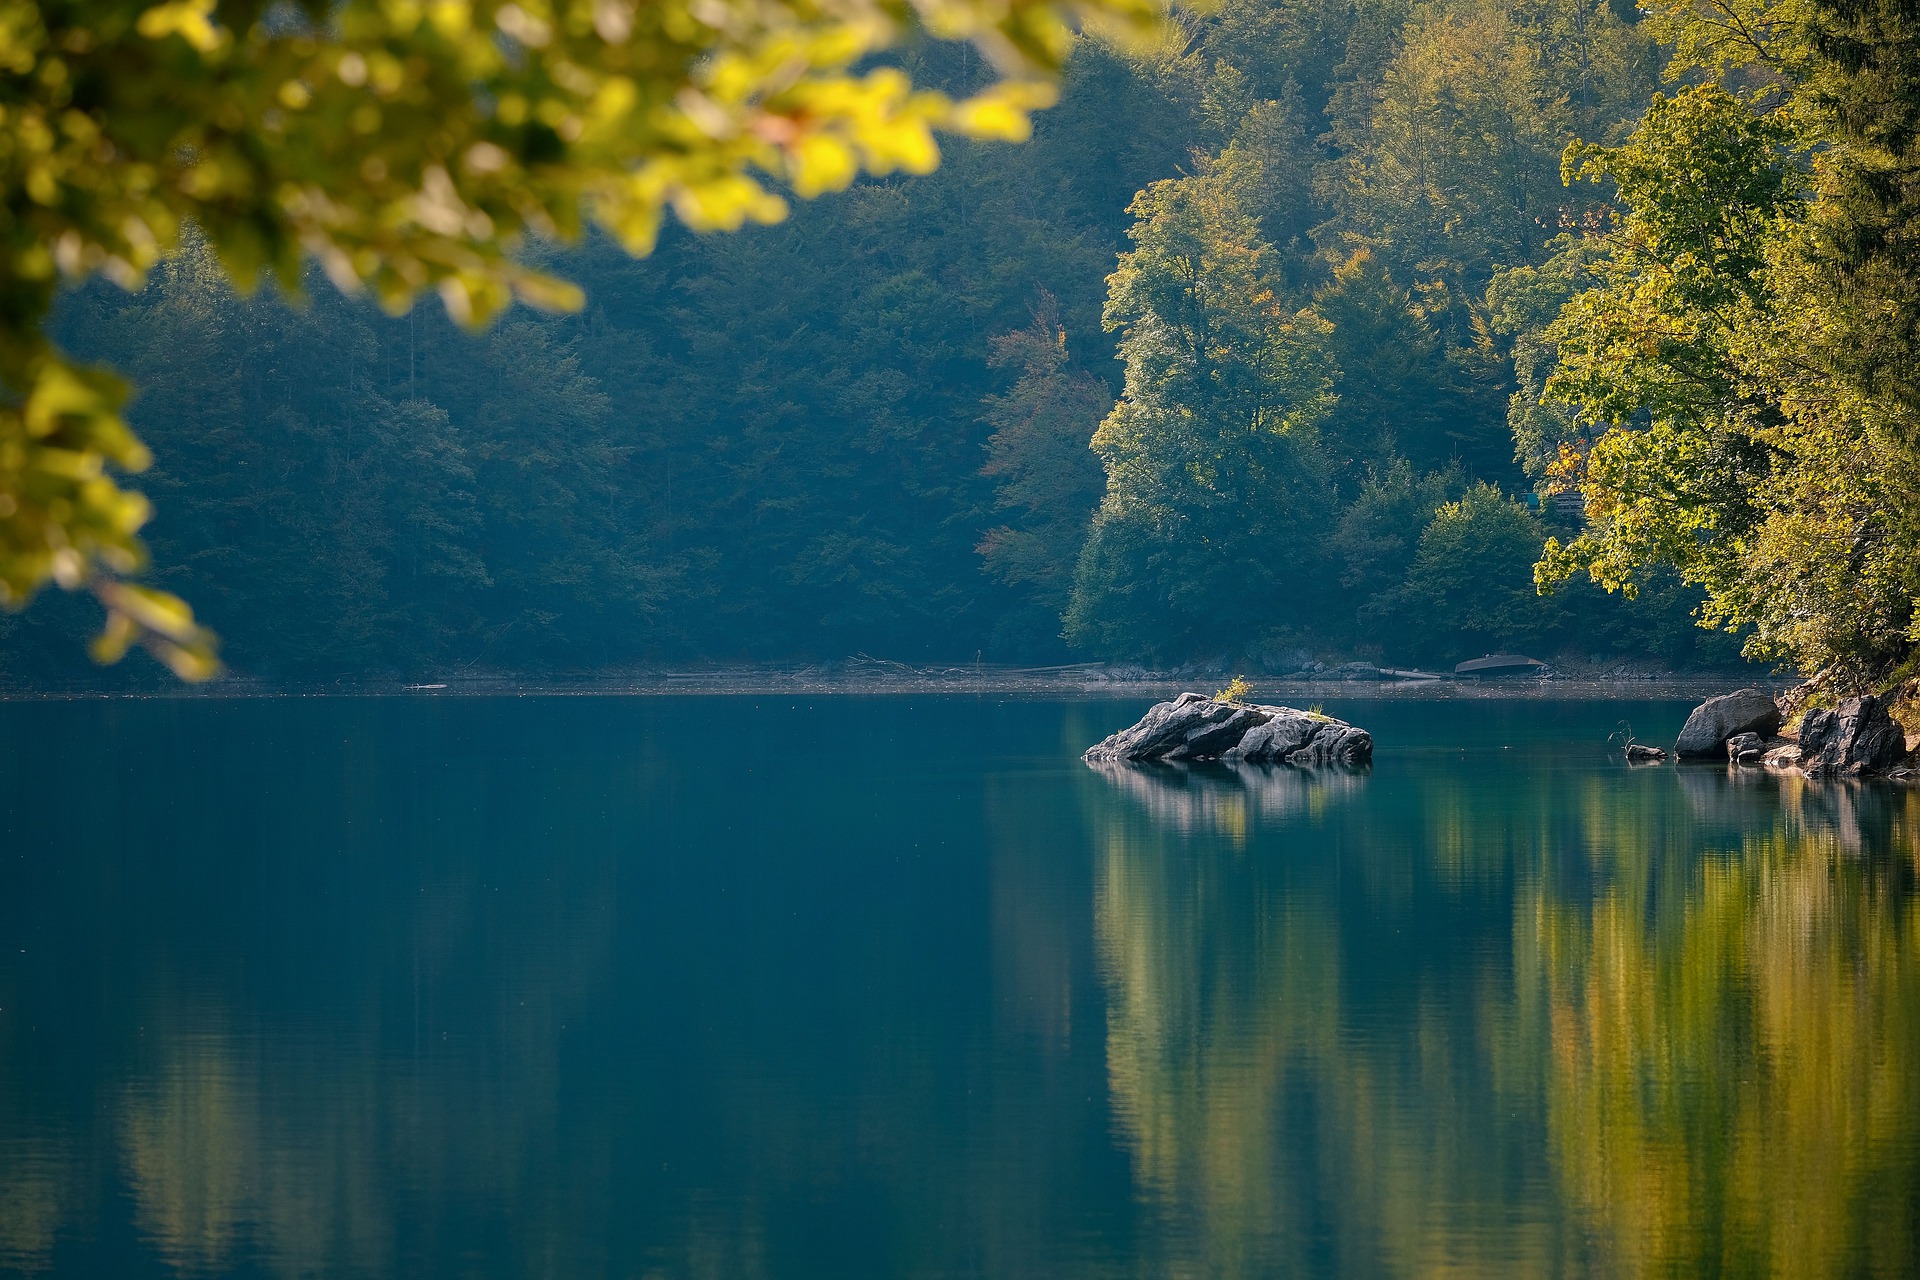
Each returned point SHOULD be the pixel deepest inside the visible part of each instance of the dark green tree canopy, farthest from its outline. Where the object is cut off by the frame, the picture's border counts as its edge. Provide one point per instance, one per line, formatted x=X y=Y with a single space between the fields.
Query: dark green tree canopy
x=408 y=147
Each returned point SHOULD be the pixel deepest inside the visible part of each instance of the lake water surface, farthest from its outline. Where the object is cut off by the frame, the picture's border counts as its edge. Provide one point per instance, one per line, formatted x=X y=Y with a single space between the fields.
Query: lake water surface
x=849 y=987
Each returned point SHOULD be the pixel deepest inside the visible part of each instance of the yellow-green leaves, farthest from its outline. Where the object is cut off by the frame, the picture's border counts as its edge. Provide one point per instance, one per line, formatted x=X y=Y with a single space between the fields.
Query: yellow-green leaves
x=191 y=20
x=160 y=621
x=1727 y=448
x=1005 y=111
x=60 y=514
x=1741 y=40
x=62 y=517
x=410 y=146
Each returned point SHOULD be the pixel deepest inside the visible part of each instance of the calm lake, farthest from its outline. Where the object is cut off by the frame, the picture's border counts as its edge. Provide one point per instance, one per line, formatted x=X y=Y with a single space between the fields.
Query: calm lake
x=849 y=987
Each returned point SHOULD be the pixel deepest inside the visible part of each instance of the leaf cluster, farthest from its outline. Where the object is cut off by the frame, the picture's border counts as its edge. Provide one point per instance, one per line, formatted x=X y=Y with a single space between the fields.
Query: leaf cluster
x=409 y=147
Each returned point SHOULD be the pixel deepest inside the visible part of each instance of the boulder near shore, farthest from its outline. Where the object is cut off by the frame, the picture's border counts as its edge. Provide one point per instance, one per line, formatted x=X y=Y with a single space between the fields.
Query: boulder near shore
x=1858 y=736
x=1718 y=719
x=1196 y=727
x=1747 y=727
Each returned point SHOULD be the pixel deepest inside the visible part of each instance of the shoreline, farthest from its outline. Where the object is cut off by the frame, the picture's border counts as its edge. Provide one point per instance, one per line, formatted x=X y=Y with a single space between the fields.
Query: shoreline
x=1084 y=681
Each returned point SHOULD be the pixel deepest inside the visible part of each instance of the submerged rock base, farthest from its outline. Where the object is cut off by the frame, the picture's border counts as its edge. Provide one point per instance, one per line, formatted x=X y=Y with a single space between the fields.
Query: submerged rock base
x=1196 y=727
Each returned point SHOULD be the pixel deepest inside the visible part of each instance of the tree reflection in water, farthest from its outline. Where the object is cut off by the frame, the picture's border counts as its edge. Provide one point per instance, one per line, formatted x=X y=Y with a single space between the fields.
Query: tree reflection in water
x=1521 y=1019
x=1732 y=1034
x=384 y=998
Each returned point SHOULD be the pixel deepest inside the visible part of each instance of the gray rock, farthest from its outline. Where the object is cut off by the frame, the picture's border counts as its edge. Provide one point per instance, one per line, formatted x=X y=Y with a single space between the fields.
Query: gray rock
x=1745 y=748
x=1858 y=736
x=1717 y=719
x=1279 y=662
x=1784 y=756
x=1641 y=751
x=1356 y=671
x=1196 y=727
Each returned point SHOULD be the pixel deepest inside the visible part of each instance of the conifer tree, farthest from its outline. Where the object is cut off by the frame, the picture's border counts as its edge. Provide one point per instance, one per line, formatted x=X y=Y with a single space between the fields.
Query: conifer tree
x=1866 y=242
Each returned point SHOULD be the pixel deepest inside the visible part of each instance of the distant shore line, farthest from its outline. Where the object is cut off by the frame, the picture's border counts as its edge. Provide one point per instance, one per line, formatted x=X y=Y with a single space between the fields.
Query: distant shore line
x=879 y=676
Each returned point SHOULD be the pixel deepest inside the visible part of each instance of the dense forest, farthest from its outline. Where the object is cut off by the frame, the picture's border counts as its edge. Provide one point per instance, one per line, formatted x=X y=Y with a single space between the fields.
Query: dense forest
x=1349 y=348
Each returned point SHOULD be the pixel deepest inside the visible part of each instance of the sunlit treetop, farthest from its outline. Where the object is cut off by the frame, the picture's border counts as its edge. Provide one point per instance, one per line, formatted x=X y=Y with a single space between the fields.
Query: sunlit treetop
x=1747 y=43
x=407 y=146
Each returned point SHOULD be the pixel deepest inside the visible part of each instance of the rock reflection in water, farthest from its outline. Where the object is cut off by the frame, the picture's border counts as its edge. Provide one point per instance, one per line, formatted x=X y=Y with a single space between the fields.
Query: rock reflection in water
x=1221 y=797
x=1858 y=814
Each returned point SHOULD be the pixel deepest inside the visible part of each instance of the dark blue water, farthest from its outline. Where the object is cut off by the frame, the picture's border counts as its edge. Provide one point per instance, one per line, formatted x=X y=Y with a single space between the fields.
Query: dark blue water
x=847 y=987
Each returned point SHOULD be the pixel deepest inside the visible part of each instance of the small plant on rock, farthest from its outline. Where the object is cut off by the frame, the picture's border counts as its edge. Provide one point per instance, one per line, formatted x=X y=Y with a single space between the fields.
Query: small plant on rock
x=1236 y=691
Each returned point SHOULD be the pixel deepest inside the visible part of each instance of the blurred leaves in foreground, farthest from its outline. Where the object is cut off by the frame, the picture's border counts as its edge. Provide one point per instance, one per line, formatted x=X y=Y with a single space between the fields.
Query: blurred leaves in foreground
x=411 y=147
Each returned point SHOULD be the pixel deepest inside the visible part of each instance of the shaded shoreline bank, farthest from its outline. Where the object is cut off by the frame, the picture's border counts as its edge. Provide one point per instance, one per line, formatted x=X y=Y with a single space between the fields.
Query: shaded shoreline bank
x=889 y=678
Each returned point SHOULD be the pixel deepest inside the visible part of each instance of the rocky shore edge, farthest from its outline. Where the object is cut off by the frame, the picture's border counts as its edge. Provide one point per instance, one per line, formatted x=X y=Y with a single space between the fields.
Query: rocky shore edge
x=1194 y=726
x=1856 y=737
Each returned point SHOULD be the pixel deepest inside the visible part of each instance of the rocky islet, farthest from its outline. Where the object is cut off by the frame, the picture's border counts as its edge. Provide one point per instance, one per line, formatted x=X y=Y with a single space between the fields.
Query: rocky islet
x=1196 y=727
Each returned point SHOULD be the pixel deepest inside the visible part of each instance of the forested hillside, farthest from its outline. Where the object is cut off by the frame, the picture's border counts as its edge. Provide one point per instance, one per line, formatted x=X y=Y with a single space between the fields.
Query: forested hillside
x=1328 y=242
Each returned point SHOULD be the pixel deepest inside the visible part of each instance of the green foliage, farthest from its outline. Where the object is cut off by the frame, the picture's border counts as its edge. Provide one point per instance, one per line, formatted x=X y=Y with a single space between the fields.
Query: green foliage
x=1399 y=393
x=1236 y=692
x=1522 y=303
x=1379 y=531
x=1865 y=83
x=1472 y=576
x=1040 y=457
x=1732 y=425
x=1214 y=470
x=856 y=430
x=294 y=468
x=1434 y=176
x=1744 y=43
x=1270 y=163
x=409 y=148
x=1680 y=282
x=762 y=446
x=1448 y=165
